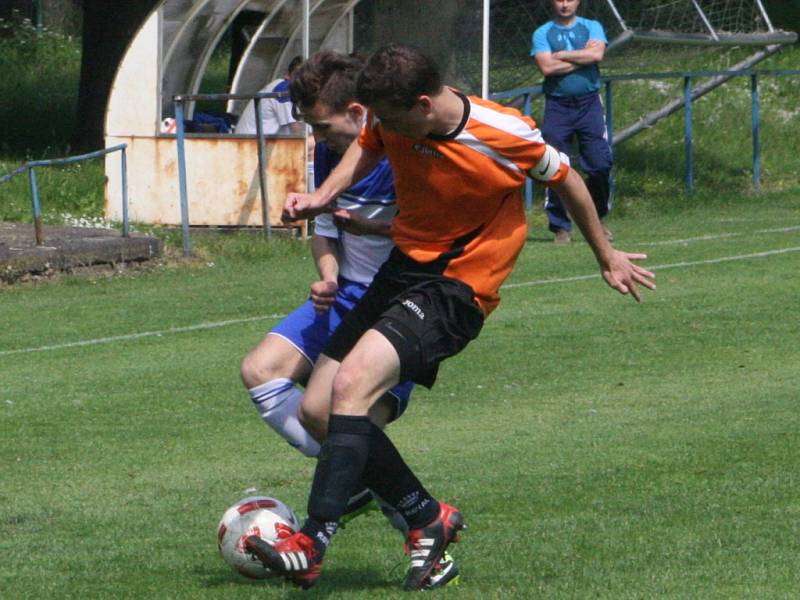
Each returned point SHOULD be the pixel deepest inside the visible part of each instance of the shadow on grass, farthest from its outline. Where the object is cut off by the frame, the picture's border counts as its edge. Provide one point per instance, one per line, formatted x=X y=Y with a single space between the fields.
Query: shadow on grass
x=333 y=581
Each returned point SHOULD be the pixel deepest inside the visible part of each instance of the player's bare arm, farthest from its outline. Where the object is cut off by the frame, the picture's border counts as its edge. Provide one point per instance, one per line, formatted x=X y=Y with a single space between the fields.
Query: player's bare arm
x=356 y=164
x=617 y=267
x=548 y=64
x=356 y=224
x=326 y=256
x=594 y=52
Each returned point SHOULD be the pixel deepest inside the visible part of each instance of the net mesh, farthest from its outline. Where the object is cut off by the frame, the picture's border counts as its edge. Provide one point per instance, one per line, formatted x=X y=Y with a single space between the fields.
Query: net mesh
x=453 y=33
x=683 y=16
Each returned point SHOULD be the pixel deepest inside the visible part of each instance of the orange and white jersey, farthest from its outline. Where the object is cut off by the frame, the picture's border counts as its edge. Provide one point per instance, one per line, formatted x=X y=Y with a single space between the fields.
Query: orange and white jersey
x=459 y=195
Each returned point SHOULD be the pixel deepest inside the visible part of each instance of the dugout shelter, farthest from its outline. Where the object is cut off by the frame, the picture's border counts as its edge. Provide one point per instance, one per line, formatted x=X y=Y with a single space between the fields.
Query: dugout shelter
x=480 y=44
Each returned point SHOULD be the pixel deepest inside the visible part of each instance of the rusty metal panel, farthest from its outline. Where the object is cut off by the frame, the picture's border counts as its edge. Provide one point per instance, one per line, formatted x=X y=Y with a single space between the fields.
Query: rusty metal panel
x=222 y=179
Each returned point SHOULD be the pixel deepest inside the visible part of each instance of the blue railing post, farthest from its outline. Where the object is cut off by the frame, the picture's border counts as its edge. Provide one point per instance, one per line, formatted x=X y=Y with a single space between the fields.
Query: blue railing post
x=687 y=134
x=262 y=161
x=124 y=167
x=756 y=123
x=31 y=165
x=37 y=207
x=180 y=134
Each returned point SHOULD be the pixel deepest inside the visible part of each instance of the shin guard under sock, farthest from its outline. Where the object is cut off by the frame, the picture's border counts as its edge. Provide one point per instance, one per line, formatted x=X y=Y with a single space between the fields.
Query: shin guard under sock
x=339 y=471
x=388 y=475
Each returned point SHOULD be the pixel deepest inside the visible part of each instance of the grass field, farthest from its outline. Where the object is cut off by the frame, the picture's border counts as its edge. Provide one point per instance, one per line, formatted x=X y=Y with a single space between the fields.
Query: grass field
x=598 y=448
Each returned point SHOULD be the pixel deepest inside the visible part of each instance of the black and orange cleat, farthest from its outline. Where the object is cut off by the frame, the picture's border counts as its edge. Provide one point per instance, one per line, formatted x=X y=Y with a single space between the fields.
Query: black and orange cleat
x=426 y=546
x=293 y=558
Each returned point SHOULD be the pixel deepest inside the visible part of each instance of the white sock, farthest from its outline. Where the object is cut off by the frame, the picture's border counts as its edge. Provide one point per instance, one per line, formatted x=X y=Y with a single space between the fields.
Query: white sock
x=277 y=402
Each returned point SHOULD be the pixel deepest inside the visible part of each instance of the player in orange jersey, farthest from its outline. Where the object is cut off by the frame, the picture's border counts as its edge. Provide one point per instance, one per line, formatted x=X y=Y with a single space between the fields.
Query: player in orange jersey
x=459 y=163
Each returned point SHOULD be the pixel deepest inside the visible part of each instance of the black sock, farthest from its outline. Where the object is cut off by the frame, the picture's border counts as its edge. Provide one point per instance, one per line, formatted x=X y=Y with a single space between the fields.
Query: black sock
x=390 y=477
x=339 y=471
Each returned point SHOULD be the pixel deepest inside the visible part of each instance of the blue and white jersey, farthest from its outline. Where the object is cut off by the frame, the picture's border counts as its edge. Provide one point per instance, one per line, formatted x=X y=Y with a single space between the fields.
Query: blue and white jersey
x=276 y=113
x=552 y=37
x=373 y=197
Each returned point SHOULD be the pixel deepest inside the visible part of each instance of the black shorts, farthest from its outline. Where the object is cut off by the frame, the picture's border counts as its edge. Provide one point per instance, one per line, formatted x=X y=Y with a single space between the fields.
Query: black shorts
x=424 y=315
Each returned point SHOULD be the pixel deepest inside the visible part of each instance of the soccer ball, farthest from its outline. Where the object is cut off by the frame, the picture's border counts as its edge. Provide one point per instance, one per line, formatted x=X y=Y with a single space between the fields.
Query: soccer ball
x=266 y=517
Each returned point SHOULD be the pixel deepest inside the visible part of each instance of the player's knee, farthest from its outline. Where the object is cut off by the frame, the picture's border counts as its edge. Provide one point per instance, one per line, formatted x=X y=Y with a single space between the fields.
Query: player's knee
x=347 y=396
x=254 y=370
x=248 y=371
x=314 y=420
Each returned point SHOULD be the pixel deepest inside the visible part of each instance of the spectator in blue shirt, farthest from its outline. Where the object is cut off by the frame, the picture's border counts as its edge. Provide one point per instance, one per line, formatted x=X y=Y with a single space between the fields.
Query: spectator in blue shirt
x=567 y=50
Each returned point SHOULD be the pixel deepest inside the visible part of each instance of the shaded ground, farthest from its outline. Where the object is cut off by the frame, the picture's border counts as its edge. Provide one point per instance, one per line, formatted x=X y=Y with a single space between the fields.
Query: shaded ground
x=67 y=248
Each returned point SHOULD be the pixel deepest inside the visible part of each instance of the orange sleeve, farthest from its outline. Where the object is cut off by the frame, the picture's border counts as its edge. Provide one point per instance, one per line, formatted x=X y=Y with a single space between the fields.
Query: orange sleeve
x=370 y=136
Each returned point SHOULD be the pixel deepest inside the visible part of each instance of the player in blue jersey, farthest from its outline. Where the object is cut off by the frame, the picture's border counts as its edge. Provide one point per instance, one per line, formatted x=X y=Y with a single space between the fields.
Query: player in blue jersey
x=567 y=50
x=276 y=113
x=349 y=245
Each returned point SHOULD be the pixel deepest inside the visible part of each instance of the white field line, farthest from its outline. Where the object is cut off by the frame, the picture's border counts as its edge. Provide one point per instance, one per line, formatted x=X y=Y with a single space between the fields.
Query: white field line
x=717 y=236
x=678 y=265
x=214 y=325
x=143 y=334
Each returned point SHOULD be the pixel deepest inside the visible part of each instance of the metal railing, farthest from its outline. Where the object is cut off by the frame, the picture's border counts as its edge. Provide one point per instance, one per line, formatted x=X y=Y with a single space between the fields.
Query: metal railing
x=180 y=135
x=690 y=93
x=31 y=166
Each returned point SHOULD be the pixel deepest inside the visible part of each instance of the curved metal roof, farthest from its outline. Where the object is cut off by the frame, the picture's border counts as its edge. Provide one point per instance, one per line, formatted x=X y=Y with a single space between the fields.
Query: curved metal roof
x=191 y=30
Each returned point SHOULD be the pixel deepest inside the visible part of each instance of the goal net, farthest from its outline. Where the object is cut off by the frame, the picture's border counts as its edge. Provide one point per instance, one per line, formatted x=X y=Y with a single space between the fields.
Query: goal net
x=652 y=35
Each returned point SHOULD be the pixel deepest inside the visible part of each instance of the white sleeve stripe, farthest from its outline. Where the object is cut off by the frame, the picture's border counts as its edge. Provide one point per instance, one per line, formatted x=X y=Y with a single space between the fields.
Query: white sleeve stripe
x=360 y=200
x=471 y=141
x=511 y=124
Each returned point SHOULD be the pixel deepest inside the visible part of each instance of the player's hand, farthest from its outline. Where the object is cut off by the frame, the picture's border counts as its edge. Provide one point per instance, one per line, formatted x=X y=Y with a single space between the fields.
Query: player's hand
x=625 y=276
x=301 y=206
x=323 y=294
x=357 y=224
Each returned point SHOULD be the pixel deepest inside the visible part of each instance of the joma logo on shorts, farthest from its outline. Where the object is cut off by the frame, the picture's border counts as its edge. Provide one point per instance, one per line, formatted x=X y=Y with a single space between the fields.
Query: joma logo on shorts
x=427 y=151
x=414 y=308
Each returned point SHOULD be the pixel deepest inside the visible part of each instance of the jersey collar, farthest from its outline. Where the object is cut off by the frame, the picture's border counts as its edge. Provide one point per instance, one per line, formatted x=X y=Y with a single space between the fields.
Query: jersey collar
x=465 y=117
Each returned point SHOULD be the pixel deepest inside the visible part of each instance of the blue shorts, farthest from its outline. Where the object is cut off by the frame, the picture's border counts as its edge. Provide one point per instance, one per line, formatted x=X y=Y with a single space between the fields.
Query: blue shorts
x=309 y=332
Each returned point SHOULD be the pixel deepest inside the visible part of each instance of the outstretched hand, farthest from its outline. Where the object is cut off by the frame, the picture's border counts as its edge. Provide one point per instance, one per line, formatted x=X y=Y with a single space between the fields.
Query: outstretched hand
x=625 y=276
x=301 y=206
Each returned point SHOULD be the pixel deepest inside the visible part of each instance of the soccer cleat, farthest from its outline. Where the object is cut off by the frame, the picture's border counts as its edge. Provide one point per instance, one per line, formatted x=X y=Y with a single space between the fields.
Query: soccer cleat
x=293 y=558
x=444 y=574
x=427 y=545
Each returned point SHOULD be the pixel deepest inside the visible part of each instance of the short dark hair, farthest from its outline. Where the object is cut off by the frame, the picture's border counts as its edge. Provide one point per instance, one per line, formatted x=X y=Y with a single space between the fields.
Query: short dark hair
x=398 y=74
x=293 y=64
x=328 y=77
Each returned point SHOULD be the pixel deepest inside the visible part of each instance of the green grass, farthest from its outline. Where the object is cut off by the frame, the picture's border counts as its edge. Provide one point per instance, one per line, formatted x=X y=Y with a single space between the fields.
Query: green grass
x=39 y=89
x=598 y=448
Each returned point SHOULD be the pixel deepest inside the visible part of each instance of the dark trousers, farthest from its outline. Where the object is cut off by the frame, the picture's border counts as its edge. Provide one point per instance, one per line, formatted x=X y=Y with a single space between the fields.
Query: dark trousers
x=581 y=118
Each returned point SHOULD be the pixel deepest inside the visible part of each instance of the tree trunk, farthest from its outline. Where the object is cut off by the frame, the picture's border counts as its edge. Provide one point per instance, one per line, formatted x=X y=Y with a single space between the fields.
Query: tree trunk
x=108 y=28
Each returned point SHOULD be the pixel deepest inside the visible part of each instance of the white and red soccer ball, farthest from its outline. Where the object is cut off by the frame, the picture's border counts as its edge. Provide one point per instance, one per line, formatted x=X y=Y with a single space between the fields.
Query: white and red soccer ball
x=266 y=517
